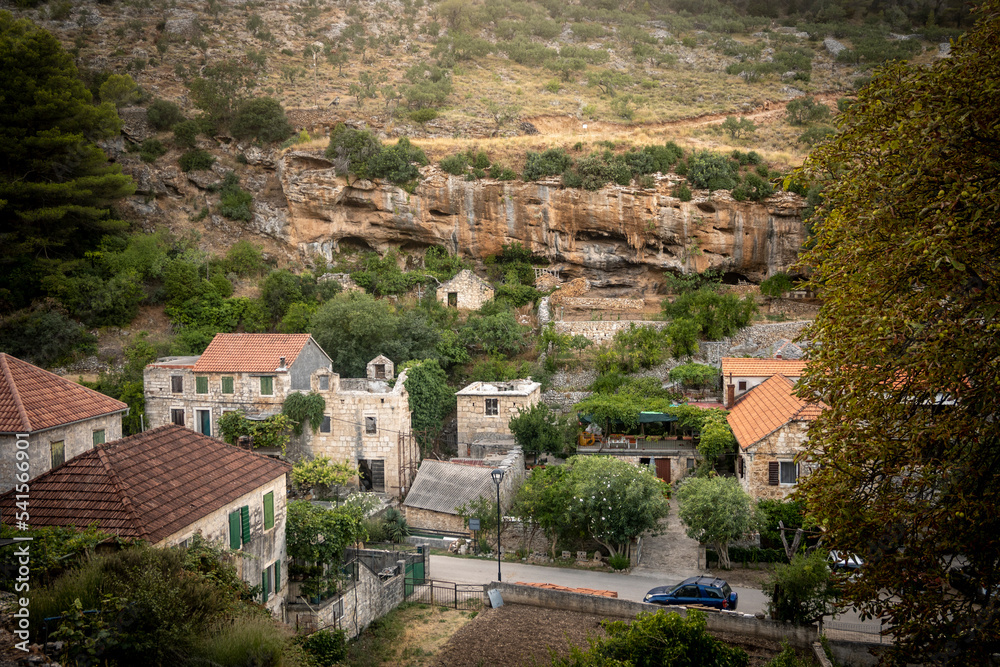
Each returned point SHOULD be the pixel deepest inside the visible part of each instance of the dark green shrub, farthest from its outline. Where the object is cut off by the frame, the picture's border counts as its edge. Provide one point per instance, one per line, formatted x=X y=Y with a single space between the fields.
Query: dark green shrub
x=45 y=336
x=502 y=173
x=163 y=115
x=151 y=149
x=711 y=170
x=327 y=647
x=816 y=134
x=423 y=115
x=234 y=202
x=245 y=259
x=683 y=192
x=756 y=187
x=261 y=119
x=550 y=163
x=186 y=133
x=196 y=160
x=456 y=165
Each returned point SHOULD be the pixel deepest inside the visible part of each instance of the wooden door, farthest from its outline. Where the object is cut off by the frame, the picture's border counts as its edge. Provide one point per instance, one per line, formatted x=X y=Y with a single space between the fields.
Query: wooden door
x=663 y=469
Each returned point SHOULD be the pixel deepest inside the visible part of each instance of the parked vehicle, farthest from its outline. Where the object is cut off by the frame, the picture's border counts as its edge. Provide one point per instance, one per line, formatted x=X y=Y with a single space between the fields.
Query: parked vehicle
x=963 y=580
x=705 y=591
x=843 y=561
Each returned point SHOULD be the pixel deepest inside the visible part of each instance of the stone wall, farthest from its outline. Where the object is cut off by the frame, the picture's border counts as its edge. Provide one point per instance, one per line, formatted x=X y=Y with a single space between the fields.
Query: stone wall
x=760 y=337
x=473 y=420
x=265 y=546
x=77 y=438
x=368 y=599
x=735 y=622
x=782 y=445
x=597 y=303
x=603 y=331
x=471 y=291
x=430 y=520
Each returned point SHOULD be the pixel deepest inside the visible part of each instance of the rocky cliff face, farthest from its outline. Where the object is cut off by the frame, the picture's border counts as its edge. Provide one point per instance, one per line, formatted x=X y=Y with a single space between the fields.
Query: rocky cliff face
x=616 y=236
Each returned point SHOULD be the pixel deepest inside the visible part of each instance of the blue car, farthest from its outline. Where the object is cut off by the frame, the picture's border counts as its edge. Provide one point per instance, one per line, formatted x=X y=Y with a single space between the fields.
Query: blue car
x=704 y=591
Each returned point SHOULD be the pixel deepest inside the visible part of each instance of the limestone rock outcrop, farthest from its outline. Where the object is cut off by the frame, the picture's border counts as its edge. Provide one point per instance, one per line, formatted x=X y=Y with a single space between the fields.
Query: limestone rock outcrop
x=616 y=236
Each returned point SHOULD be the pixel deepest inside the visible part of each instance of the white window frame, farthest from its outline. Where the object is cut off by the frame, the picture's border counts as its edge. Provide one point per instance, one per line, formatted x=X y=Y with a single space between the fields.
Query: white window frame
x=781 y=470
x=496 y=406
x=196 y=427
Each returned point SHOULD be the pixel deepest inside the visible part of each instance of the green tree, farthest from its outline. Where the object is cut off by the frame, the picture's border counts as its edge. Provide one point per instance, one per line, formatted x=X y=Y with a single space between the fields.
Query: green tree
x=717 y=315
x=712 y=171
x=431 y=400
x=262 y=119
x=738 y=127
x=716 y=439
x=656 y=638
x=279 y=291
x=322 y=472
x=502 y=114
x=905 y=346
x=801 y=591
x=317 y=535
x=716 y=511
x=542 y=500
x=119 y=90
x=693 y=375
x=613 y=501
x=538 y=429
x=222 y=88
x=163 y=115
x=57 y=187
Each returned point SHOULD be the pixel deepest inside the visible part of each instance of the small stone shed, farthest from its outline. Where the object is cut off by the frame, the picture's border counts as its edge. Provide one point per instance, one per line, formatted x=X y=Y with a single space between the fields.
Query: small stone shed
x=771 y=426
x=442 y=486
x=487 y=408
x=465 y=291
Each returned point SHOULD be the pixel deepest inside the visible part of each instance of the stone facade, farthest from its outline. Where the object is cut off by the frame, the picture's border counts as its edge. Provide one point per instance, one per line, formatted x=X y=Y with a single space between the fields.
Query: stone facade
x=43 y=449
x=466 y=291
x=265 y=548
x=487 y=408
x=603 y=331
x=367 y=419
x=784 y=445
x=431 y=520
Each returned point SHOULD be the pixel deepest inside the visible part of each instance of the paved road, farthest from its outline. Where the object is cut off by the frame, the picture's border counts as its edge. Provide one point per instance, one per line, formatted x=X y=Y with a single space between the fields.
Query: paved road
x=628 y=586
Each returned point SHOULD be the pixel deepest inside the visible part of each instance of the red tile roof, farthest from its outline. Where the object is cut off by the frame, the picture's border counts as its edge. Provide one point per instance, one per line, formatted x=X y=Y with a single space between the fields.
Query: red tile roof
x=150 y=485
x=761 y=367
x=32 y=399
x=766 y=408
x=250 y=353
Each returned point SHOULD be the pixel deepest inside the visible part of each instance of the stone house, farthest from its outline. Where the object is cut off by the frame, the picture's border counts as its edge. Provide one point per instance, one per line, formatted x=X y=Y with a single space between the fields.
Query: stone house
x=366 y=420
x=442 y=486
x=771 y=426
x=465 y=291
x=486 y=408
x=51 y=418
x=164 y=486
x=740 y=375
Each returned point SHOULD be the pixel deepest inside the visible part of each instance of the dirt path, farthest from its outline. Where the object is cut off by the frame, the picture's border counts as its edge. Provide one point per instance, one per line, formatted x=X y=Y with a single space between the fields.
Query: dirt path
x=672 y=555
x=770 y=112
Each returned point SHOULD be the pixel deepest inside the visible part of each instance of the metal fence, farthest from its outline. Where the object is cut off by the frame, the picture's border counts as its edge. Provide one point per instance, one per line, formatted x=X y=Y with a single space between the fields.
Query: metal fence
x=859 y=632
x=445 y=593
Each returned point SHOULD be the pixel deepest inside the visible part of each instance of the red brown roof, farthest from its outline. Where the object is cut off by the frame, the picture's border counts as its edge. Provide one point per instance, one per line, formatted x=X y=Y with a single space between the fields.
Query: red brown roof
x=150 y=485
x=766 y=408
x=738 y=367
x=250 y=353
x=32 y=399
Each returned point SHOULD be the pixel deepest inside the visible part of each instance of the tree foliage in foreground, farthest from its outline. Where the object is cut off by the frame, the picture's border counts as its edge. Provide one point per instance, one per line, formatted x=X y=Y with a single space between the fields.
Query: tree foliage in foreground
x=800 y=592
x=906 y=347
x=660 y=638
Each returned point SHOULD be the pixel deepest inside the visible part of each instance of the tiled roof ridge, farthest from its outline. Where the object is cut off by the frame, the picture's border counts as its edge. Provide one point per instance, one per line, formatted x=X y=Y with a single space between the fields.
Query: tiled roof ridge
x=123 y=491
x=21 y=412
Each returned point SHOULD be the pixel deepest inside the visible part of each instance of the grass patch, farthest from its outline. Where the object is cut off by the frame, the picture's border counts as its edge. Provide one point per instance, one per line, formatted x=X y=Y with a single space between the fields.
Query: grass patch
x=412 y=635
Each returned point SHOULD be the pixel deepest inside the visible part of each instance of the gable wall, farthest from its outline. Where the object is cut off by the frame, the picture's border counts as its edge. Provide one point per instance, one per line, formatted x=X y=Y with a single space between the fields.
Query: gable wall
x=473 y=420
x=472 y=292
x=782 y=445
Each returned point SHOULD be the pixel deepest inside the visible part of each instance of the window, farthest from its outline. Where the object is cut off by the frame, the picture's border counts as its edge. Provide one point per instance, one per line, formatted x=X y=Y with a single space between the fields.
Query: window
x=371 y=425
x=267 y=385
x=269 y=510
x=227 y=385
x=324 y=382
x=371 y=472
x=324 y=427
x=177 y=416
x=270 y=580
x=380 y=371
x=177 y=384
x=201 y=385
x=492 y=406
x=203 y=419
x=712 y=593
x=58 y=452
x=742 y=385
x=453 y=299
x=690 y=464
x=740 y=470
x=99 y=437
x=239 y=527
x=788 y=472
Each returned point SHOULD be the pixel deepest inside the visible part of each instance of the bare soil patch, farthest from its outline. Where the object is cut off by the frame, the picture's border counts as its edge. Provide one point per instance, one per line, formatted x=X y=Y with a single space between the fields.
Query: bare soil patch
x=519 y=635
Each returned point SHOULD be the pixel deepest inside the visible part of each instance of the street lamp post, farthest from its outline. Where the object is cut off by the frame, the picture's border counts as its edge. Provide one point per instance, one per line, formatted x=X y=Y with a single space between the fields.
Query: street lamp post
x=497 y=475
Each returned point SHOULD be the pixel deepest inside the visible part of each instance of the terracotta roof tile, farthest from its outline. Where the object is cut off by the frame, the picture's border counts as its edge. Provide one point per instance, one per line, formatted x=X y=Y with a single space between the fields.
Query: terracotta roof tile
x=761 y=367
x=250 y=353
x=149 y=485
x=32 y=399
x=766 y=408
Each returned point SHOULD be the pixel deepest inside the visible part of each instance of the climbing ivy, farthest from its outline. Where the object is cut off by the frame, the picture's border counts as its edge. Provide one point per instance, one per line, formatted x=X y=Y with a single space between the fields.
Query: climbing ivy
x=300 y=407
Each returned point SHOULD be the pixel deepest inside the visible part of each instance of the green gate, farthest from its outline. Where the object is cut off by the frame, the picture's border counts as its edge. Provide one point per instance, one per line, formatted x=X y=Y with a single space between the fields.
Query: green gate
x=414 y=574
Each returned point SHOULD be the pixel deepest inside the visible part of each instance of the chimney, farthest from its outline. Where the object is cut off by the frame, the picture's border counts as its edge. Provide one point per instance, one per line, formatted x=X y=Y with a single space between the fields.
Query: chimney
x=730 y=395
x=281 y=365
x=778 y=355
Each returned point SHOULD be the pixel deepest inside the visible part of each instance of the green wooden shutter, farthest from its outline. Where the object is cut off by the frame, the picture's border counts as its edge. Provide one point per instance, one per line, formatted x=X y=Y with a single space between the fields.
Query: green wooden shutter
x=269 y=510
x=267 y=385
x=201 y=385
x=264 y=581
x=227 y=385
x=277 y=576
x=99 y=437
x=235 y=531
x=245 y=521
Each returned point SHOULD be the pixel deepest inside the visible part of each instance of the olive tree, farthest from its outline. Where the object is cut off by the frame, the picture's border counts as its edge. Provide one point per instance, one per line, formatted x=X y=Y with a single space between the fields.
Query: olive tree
x=716 y=511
